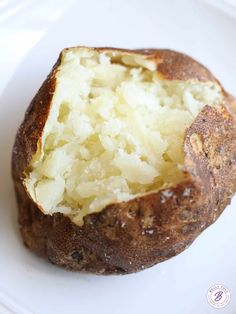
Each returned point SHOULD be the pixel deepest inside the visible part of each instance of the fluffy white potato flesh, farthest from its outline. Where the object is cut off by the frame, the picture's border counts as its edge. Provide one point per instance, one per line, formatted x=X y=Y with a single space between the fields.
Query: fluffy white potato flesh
x=115 y=131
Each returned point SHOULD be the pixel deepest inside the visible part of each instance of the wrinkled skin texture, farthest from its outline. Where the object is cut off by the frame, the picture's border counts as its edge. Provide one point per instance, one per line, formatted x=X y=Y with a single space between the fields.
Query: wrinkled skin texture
x=130 y=236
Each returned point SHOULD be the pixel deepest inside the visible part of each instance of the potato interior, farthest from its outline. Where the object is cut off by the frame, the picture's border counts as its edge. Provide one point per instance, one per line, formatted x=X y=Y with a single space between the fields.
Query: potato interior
x=115 y=131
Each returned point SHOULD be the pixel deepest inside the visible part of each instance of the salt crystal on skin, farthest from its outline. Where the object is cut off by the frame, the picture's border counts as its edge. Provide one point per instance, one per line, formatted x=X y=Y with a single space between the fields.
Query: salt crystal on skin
x=167 y=193
x=187 y=192
x=149 y=231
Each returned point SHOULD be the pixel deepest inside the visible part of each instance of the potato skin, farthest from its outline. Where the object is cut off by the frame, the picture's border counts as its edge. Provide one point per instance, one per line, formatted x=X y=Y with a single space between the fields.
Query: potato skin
x=130 y=236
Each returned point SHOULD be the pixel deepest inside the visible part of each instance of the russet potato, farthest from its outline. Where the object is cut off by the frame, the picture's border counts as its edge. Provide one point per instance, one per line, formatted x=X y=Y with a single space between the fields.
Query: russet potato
x=124 y=157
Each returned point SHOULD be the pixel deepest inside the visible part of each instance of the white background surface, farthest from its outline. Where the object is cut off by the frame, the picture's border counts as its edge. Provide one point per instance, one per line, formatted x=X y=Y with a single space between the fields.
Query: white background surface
x=32 y=33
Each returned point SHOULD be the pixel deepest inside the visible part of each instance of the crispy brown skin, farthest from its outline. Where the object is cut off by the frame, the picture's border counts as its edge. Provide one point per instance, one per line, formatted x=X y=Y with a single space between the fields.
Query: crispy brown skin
x=131 y=236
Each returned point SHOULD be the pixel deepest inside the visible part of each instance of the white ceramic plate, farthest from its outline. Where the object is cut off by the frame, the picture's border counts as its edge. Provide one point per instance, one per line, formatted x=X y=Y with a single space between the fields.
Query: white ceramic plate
x=178 y=286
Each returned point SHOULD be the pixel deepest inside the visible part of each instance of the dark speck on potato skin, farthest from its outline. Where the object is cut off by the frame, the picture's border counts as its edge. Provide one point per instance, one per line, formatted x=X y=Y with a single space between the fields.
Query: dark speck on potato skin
x=77 y=256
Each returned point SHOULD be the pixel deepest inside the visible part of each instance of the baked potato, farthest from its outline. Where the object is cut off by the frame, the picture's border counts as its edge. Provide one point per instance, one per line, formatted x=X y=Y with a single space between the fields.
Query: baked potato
x=124 y=157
